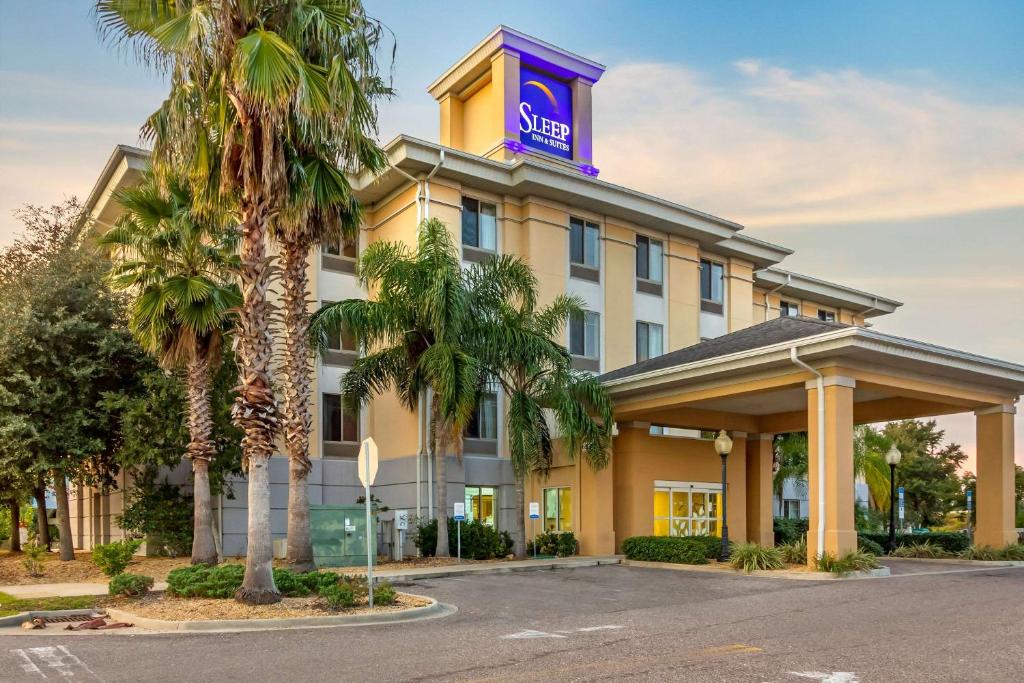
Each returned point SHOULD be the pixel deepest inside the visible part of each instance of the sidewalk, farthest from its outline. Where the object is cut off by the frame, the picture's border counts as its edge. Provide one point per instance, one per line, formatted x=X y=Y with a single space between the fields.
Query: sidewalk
x=47 y=590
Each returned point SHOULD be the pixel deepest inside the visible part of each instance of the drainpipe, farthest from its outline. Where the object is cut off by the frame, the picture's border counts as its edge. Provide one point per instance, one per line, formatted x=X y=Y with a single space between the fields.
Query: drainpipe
x=768 y=306
x=426 y=182
x=419 y=194
x=820 y=380
x=872 y=307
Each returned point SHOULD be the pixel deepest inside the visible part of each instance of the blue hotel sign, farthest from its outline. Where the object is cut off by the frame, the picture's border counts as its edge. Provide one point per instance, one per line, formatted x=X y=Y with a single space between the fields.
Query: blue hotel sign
x=545 y=113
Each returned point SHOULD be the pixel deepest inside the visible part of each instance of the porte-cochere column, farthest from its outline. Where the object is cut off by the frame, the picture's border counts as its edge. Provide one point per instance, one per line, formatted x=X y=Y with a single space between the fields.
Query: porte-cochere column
x=995 y=476
x=840 y=533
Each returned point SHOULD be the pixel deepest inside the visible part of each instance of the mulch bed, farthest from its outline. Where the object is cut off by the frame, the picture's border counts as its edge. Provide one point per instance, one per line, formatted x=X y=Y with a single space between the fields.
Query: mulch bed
x=159 y=606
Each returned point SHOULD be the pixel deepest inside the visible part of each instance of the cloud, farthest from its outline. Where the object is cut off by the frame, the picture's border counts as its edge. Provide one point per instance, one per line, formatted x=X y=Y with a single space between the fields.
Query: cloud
x=773 y=147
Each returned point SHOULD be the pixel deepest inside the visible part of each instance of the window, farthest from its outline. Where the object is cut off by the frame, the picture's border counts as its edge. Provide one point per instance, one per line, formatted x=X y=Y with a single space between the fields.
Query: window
x=484 y=422
x=712 y=282
x=827 y=316
x=481 y=504
x=687 y=510
x=339 y=424
x=649 y=259
x=343 y=247
x=791 y=509
x=558 y=509
x=788 y=308
x=583 y=335
x=648 y=341
x=479 y=224
x=340 y=340
x=583 y=243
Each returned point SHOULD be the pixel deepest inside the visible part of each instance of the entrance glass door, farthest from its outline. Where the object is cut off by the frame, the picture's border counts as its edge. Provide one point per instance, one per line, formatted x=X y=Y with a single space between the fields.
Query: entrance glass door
x=687 y=509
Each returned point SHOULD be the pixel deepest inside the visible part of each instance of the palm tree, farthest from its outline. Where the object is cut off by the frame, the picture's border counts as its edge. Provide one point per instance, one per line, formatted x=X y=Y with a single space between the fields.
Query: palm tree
x=791 y=456
x=254 y=85
x=321 y=209
x=416 y=331
x=180 y=271
x=518 y=345
x=869 y=449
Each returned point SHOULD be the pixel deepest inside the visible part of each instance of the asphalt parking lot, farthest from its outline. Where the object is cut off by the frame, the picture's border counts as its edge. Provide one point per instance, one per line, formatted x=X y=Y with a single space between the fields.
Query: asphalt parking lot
x=606 y=623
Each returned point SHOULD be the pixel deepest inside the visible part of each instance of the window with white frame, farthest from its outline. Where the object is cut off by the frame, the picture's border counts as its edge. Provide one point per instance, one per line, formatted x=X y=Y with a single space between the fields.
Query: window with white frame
x=483 y=424
x=479 y=224
x=584 y=335
x=789 y=308
x=649 y=340
x=712 y=282
x=682 y=509
x=558 y=509
x=791 y=508
x=482 y=504
x=827 y=316
x=649 y=258
x=339 y=423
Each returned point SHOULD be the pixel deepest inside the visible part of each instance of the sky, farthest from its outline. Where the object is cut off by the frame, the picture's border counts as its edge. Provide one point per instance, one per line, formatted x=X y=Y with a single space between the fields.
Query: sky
x=883 y=141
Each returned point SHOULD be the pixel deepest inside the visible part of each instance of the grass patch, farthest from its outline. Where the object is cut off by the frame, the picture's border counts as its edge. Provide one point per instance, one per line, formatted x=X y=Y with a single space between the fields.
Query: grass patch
x=11 y=605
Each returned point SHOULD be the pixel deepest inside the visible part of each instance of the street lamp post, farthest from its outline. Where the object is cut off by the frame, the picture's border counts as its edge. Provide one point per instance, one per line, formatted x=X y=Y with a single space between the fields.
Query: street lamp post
x=723 y=445
x=893 y=458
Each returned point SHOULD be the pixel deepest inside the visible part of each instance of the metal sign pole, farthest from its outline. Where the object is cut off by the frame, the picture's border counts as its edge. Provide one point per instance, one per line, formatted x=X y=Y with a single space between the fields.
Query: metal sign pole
x=370 y=533
x=970 y=527
x=460 y=514
x=459 y=534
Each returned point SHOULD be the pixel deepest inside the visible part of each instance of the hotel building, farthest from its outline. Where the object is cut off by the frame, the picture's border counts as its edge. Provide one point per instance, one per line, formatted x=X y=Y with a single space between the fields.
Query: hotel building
x=694 y=325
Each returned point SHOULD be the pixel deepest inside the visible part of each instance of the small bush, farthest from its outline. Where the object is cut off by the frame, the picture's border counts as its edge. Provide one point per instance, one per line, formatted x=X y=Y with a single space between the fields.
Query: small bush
x=33 y=560
x=384 y=594
x=922 y=550
x=1014 y=552
x=794 y=553
x=113 y=558
x=479 y=541
x=869 y=546
x=201 y=581
x=855 y=561
x=339 y=596
x=789 y=530
x=750 y=557
x=950 y=541
x=557 y=543
x=130 y=585
x=677 y=549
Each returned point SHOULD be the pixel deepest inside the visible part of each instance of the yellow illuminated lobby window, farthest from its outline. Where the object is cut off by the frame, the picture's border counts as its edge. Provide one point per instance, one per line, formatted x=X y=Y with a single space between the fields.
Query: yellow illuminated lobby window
x=480 y=504
x=558 y=509
x=687 y=510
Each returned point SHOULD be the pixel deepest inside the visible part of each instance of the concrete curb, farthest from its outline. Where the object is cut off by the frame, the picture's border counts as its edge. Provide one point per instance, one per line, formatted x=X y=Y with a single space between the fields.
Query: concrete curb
x=763 y=574
x=496 y=568
x=958 y=561
x=17 y=619
x=434 y=610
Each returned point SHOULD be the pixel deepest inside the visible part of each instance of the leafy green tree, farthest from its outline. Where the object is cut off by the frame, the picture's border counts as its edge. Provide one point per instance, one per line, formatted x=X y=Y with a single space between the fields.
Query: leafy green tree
x=259 y=90
x=518 y=344
x=179 y=270
x=417 y=330
x=791 y=460
x=928 y=470
x=63 y=347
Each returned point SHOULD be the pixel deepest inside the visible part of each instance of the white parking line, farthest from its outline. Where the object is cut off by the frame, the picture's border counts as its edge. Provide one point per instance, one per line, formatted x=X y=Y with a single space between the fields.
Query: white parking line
x=531 y=633
x=54 y=660
x=827 y=677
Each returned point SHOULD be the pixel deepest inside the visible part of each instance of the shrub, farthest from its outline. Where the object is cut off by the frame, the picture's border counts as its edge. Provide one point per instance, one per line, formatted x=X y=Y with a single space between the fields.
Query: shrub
x=33 y=560
x=677 y=549
x=789 y=530
x=751 y=556
x=557 y=543
x=201 y=581
x=113 y=558
x=794 y=553
x=130 y=585
x=950 y=541
x=339 y=596
x=1013 y=551
x=160 y=513
x=925 y=550
x=868 y=546
x=479 y=541
x=384 y=594
x=855 y=561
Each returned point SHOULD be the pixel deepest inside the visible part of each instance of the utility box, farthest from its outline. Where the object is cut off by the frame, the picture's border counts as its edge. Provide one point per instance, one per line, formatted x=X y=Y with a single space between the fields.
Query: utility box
x=339 y=534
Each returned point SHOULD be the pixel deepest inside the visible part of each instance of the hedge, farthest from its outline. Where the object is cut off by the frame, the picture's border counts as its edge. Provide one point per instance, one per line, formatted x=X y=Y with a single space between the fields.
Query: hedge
x=200 y=581
x=950 y=541
x=677 y=549
x=479 y=541
x=789 y=530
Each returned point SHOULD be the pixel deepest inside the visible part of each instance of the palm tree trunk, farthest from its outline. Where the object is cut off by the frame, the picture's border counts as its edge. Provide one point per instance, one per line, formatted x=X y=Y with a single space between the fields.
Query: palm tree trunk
x=60 y=488
x=255 y=410
x=42 y=523
x=201 y=451
x=298 y=417
x=15 y=508
x=441 y=484
x=519 y=546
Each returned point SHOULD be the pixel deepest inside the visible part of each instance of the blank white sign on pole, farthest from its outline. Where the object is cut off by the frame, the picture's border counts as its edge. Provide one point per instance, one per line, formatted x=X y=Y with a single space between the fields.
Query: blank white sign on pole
x=367 y=461
x=534 y=510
